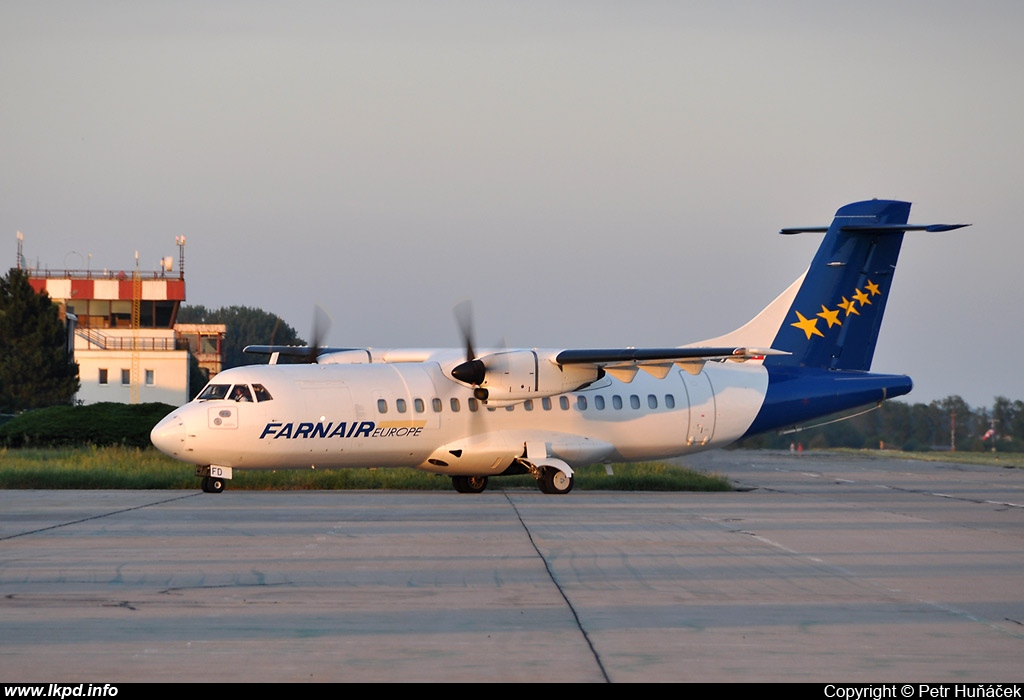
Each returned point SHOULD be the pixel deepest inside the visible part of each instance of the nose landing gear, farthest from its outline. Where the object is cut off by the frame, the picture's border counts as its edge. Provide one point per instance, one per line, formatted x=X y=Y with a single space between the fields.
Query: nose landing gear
x=214 y=478
x=212 y=484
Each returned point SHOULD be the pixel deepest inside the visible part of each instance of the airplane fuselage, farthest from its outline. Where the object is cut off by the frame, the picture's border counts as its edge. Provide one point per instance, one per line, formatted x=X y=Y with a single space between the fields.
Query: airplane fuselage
x=411 y=414
x=472 y=415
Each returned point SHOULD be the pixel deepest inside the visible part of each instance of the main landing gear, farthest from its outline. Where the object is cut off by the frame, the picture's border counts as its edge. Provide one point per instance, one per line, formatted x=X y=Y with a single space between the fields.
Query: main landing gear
x=469 y=484
x=555 y=482
x=549 y=480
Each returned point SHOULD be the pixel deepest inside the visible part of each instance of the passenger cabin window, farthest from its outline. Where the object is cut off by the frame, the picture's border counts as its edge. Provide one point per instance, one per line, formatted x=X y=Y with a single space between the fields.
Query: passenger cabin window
x=436 y=404
x=670 y=401
x=418 y=406
x=474 y=405
x=634 y=401
x=652 y=401
x=455 y=405
x=599 y=403
x=563 y=401
x=581 y=403
x=400 y=405
x=545 y=403
x=382 y=406
x=617 y=402
x=528 y=405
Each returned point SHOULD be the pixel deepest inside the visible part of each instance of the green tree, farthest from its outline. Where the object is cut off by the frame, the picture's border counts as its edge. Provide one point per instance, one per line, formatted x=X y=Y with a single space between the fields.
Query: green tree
x=35 y=369
x=957 y=419
x=245 y=326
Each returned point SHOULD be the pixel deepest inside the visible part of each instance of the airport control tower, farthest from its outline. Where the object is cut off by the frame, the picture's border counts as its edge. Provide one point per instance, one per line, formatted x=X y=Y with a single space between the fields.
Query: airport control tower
x=125 y=342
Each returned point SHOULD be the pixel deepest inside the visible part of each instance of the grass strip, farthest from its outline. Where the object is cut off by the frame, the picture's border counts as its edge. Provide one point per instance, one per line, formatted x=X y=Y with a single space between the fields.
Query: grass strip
x=122 y=467
x=1007 y=460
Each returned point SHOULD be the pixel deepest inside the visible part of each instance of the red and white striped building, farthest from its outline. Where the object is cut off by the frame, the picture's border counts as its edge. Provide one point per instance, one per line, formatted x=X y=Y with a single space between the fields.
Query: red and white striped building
x=120 y=360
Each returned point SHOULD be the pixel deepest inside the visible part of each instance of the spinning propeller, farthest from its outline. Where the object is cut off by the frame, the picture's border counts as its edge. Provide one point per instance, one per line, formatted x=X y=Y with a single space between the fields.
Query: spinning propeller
x=473 y=371
x=321 y=324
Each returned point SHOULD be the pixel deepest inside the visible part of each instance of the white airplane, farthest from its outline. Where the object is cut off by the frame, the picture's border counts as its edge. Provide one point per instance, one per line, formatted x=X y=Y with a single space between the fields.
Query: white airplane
x=545 y=412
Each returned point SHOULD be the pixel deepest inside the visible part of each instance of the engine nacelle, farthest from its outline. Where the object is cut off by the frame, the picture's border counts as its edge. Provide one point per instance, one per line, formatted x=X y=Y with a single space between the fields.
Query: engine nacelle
x=516 y=375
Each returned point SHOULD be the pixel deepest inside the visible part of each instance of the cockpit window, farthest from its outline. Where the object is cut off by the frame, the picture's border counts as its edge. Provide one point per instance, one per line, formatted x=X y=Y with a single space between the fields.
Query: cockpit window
x=238 y=392
x=214 y=391
x=241 y=393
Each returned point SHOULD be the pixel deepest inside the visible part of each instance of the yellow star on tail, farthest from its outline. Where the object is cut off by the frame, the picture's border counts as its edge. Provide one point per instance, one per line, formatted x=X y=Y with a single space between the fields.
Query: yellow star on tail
x=807 y=325
x=830 y=315
x=862 y=298
x=873 y=288
x=848 y=306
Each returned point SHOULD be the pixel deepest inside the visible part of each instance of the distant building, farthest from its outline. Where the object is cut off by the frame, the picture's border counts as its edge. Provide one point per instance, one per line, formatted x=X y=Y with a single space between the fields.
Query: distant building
x=125 y=340
x=206 y=343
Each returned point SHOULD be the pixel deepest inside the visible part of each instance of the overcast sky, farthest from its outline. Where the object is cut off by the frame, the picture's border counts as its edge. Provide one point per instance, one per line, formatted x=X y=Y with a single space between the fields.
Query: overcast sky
x=591 y=174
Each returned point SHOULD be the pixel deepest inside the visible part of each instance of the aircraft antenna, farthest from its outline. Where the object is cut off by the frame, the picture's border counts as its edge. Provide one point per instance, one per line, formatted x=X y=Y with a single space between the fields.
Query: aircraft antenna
x=136 y=323
x=180 y=240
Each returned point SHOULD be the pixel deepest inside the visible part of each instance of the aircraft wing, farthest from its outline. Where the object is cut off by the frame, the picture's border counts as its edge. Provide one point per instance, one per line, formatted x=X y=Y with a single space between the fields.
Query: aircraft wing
x=292 y=350
x=623 y=363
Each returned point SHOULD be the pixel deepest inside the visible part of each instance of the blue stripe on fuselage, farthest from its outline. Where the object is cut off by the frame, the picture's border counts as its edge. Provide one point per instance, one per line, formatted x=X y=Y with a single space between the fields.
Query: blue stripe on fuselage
x=798 y=394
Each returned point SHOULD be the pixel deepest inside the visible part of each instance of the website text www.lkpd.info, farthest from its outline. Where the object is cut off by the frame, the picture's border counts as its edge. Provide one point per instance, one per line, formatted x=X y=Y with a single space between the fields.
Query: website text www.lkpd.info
x=60 y=690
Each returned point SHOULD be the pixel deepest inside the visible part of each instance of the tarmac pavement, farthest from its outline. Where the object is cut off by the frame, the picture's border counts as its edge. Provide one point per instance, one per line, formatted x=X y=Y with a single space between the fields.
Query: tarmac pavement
x=824 y=568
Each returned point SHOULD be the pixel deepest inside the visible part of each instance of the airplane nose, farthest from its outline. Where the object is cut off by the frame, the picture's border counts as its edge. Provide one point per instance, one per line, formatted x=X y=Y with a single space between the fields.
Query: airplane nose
x=168 y=435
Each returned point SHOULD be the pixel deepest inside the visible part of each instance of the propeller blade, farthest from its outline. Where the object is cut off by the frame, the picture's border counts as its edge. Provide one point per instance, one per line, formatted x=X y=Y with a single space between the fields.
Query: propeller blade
x=472 y=371
x=321 y=324
x=464 y=318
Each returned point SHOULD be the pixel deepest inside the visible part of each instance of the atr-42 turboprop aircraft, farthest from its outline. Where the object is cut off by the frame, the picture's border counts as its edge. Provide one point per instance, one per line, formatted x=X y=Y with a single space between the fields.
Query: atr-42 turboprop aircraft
x=544 y=412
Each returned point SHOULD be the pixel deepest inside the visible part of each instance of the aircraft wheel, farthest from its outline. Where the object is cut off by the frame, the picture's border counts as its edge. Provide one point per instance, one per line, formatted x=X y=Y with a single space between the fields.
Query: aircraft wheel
x=205 y=484
x=216 y=485
x=555 y=482
x=469 y=484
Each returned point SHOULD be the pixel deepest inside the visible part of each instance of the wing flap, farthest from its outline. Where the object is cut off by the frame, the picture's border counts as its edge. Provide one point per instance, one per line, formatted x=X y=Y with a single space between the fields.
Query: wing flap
x=623 y=363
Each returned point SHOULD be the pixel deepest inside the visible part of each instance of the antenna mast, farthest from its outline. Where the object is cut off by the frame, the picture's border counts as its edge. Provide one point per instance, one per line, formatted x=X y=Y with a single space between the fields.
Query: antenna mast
x=180 y=240
x=136 y=389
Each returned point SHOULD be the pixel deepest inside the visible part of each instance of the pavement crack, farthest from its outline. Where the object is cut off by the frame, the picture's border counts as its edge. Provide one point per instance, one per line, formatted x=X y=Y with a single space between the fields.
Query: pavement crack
x=561 y=591
x=96 y=517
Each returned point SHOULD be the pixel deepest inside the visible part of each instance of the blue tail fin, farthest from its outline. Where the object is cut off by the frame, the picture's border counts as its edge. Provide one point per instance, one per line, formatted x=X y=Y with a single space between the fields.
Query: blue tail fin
x=829 y=318
x=834 y=320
